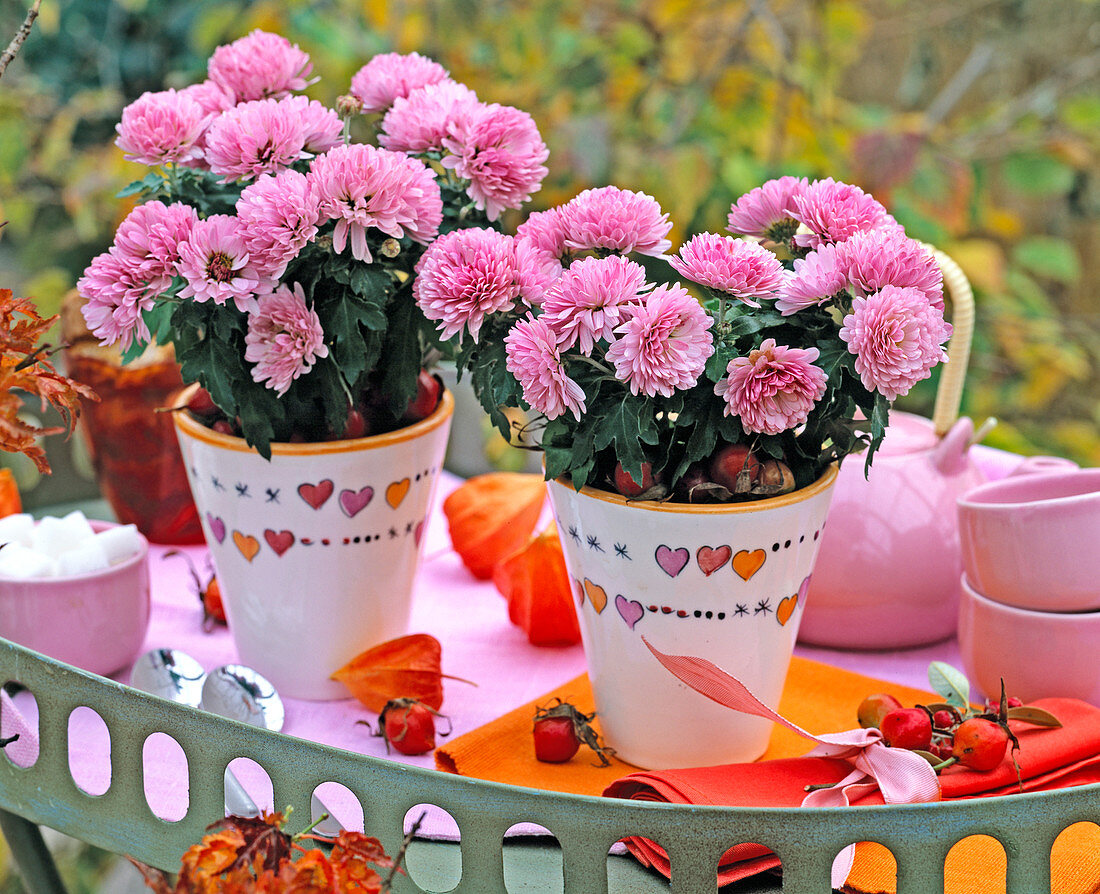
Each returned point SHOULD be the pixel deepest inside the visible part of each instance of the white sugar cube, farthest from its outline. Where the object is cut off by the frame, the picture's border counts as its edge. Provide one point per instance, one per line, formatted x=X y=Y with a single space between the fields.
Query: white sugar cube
x=16 y=528
x=54 y=536
x=18 y=561
x=89 y=556
x=119 y=543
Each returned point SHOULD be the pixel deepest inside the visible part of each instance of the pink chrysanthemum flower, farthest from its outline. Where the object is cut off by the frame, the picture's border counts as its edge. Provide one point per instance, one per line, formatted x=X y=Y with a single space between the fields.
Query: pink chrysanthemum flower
x=816 y=278
x=260 y=65
x=773 y=389
x=217 y=267
x=464 y=276
x=665 y=343
x=499 y=150
x=536 y=275
x=362 y=186
x=418 y=122
x=321 y=127
x=534 y=358
x=115 y=292
x=541 y=239
x=766 y=210
x=149 y=240
x=389 y=76
x=613 y=219
x=834 y=211
x=162 y=128
x=212 y=96
x=591 y=299
x=279 y=216
x=284 y=339
x=745 y=270
x=897 y=337
x=260 y=137
x=887 y=257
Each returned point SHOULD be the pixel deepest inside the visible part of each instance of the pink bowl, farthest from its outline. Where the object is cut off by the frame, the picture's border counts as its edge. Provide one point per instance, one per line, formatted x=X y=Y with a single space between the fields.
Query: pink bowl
x=1038 y=654
x=93 y=621
x=1030 y=541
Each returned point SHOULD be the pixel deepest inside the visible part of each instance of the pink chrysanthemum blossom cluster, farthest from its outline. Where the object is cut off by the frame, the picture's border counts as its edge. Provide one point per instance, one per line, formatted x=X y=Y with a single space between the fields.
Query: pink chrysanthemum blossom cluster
x=744 y=270
x=615 y=220
x=419 y=121
x=766 y=211
x=592 y=298
x=773 y=389
x=534 y=358
x=391 y=76
x=817 y=278
x=260 y=65
x=284 y=339
x=279 y=216
x=834 y=211
x=465 y=276
x=162 y=128
x=897 y=337
x=362 y=186
x=216 y=265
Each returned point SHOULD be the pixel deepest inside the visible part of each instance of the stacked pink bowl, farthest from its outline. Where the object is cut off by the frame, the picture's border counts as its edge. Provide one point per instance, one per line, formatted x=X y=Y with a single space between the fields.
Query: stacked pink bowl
x=1030 y=606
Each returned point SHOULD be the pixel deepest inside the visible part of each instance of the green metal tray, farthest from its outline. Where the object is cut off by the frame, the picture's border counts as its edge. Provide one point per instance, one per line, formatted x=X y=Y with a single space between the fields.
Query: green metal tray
x=806 y=840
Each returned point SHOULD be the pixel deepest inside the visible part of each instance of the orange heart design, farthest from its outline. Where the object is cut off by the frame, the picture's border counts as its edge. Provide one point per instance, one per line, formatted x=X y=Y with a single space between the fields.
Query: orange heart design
x=746 y=563
x=396 y=492
x=596 y=595
x=786 y=608
x=248 y=546
x=710 y=560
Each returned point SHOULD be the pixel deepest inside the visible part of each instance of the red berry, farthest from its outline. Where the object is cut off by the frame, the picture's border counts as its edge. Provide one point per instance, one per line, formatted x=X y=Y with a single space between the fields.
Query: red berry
x=943 y=719
x=355 y=426
x=429 y=388
x=873 y=708
x=408 y=726
x=627 y=486
x=1014 y=702
x=223 y=427
x=555 y=739
x=907 y=728
x=201 y=403
x=941 y=749
x=735 y=467
x=980 y=744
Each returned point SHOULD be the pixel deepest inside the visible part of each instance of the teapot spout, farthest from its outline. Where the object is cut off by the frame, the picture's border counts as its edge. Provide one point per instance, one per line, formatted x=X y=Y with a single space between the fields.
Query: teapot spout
x=950 y=455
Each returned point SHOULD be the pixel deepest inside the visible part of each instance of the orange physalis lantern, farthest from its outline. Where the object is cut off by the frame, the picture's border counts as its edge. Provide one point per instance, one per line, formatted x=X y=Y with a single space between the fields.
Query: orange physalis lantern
x=406 y=667
x=10 y=504
x=491 y=516
x=540 y=598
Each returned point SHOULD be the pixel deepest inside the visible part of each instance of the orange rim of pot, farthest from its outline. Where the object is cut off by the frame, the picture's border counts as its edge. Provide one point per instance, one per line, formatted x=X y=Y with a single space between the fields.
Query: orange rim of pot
x=200 y=432
x=797 y=496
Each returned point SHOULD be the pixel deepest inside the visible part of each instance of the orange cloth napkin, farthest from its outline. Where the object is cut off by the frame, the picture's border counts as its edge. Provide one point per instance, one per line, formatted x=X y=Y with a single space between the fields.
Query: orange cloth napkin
x=821 y=699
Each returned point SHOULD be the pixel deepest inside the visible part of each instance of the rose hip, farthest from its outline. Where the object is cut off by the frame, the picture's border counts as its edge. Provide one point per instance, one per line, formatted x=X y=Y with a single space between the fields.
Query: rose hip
x=627 y=486
x=943 y=719
x=429 y=388
x=408 y=726
x=907 y=728
x=873 y=708
x=735 y=467
x=980 y=744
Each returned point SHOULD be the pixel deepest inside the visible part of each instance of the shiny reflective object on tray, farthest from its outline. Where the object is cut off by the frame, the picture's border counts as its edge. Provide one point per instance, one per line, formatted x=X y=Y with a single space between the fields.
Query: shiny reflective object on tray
x=240 y=693
x=171 y=674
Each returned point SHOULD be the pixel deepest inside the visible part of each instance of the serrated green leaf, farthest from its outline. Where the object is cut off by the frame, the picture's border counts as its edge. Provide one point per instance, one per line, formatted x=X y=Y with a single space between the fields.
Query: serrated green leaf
x=949 y=682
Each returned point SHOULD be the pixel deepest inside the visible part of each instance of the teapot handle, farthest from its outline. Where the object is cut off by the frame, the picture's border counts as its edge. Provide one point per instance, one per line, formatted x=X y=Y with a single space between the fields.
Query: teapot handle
x=953 y=374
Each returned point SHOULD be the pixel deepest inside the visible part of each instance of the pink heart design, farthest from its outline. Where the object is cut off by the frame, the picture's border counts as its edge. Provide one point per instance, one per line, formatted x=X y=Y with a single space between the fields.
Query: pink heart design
x=354 y=502
x=803 y=589
x=711 y=559
x=279 y=541
x=418 y=533
x=672 y=561
x=630 y=610
x=316 y=495
x=217 y=527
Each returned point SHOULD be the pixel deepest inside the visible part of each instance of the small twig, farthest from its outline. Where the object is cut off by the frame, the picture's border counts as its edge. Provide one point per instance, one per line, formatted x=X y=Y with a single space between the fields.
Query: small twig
x=400 y=856
x=20 y=37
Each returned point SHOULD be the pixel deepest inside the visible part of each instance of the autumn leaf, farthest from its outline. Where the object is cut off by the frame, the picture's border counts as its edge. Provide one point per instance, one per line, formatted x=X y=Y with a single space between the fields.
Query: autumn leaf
x=491 y=516
x=540 y=597
x=10 y=503
x=406 y=667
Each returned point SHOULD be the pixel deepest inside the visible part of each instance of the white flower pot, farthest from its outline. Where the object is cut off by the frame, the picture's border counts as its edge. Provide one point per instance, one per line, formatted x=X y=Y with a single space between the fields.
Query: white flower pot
x=725 y=582
x=316 y=549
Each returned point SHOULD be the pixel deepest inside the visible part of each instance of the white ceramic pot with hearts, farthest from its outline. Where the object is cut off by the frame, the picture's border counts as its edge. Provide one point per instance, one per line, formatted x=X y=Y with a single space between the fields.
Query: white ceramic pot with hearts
x=725 y=582
x=316 y=549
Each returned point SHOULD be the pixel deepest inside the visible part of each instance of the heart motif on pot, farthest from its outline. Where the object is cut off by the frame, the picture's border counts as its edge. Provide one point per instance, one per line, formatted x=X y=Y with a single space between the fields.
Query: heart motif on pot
x=804 y=588
x=418 y=533
x=597 y=595
x=217 y=527
x=710 y=560
x=630 y=610
x=279 y=541
x=672 y=561
x=578 y=590
x=316 y=495
x=352 y=502
x=247 y=545
x=786 y=609
x=396 y=492
x=746 y=563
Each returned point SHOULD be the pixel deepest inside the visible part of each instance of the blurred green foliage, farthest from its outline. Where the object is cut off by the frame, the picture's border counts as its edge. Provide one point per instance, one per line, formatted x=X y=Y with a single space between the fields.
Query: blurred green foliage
x=974 y=121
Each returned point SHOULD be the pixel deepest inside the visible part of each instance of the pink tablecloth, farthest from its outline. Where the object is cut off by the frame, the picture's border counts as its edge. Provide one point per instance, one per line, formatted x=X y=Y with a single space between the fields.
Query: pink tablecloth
x=479 y=644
